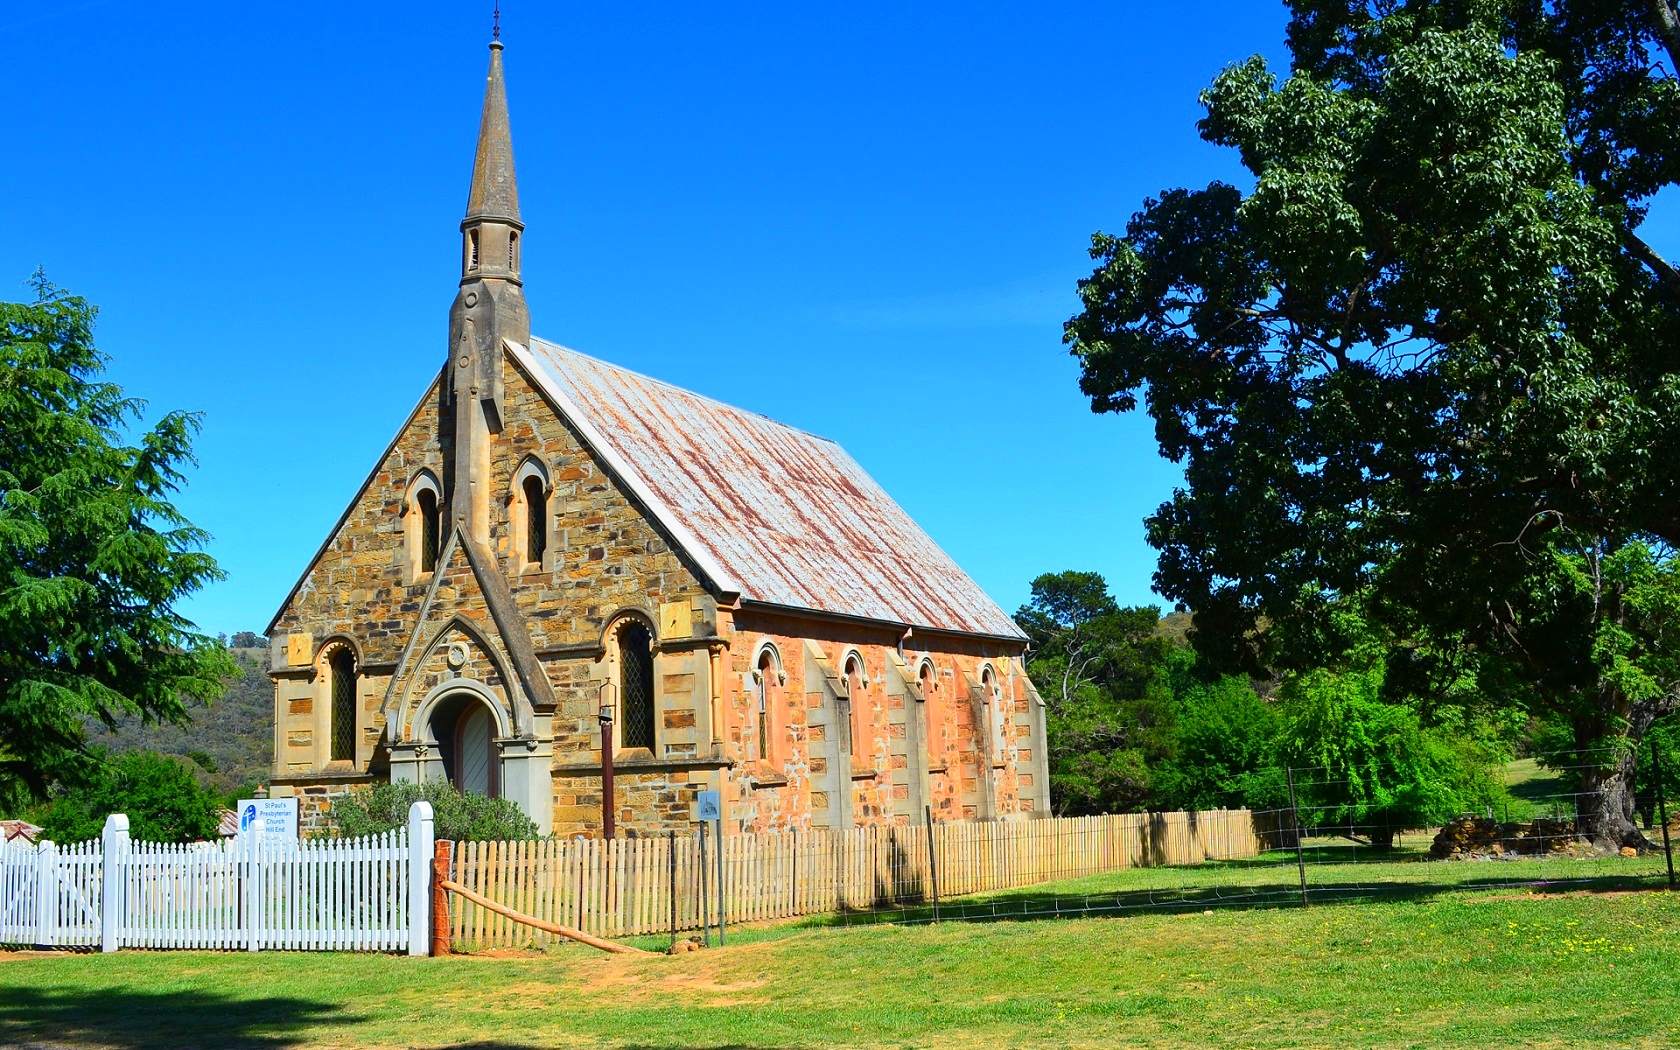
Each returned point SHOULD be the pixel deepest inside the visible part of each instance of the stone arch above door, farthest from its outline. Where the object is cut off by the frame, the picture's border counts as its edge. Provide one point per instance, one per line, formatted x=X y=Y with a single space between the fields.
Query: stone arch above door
x=456 y=655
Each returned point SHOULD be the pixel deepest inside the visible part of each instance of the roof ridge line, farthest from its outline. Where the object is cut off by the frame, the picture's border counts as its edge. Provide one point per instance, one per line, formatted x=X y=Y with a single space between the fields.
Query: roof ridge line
x=683 y=389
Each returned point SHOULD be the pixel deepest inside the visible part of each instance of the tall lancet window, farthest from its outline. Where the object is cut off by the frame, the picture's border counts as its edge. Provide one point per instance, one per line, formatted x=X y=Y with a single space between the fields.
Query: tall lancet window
x=536 y=519
x=858 y=720
x=513 y=250
x=472 y=249
x=428 y=506
x=766 y=704
x=342 y=666
x=635 y=684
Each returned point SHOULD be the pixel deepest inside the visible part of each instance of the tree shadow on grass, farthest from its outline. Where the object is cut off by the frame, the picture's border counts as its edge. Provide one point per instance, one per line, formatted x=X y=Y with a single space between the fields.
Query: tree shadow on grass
x=1281 y=891
x=131 y=1019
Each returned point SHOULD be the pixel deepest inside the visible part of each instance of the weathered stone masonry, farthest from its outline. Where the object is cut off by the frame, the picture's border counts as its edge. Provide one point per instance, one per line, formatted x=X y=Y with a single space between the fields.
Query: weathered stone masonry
x=547 y=533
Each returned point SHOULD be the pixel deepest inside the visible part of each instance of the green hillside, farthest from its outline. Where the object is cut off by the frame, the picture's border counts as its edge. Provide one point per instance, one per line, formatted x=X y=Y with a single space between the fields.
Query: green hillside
x=232 y=739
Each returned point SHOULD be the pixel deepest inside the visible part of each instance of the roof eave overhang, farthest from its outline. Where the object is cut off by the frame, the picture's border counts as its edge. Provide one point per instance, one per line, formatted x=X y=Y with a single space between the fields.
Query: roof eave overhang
x=900 y=628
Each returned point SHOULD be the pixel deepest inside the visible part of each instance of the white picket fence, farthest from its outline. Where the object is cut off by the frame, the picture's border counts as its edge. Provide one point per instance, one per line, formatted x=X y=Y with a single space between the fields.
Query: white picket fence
x=65 y=878
x=367 y=894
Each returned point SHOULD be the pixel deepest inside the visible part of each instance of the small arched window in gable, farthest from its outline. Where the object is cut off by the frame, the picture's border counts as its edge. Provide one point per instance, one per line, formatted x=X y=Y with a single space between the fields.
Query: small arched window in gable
x=341 y=667
x=536 y=519
x=422 y=515
x=635 y=684
x=528 y=516
x=426 y=505
x=513 y=251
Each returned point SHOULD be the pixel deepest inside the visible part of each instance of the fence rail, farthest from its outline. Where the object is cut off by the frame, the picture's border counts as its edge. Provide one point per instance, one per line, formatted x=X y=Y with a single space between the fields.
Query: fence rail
x=654 y=884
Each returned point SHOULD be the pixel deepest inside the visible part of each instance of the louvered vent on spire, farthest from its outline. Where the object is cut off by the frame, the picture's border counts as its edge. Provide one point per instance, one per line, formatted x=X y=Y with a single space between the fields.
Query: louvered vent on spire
x=494 y=194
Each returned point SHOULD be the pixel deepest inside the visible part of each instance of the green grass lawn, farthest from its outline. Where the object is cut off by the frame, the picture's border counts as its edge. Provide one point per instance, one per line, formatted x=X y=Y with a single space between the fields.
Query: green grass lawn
x=1441 y=962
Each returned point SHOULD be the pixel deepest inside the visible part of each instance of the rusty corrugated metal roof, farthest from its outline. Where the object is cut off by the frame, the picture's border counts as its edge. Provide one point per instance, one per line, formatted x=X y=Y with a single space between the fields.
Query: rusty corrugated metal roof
x=782 y=516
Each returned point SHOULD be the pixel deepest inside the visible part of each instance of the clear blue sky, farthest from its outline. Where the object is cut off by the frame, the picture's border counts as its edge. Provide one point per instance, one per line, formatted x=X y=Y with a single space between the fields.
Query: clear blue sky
x=862 y=219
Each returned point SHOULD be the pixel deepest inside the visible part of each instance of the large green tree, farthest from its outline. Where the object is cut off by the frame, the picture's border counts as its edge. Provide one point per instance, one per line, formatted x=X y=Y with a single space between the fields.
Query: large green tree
x=94 y=558
x=1426 y=361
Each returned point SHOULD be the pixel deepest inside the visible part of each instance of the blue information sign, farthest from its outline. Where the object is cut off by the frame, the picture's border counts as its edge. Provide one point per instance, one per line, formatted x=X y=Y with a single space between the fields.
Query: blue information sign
x=709 y=807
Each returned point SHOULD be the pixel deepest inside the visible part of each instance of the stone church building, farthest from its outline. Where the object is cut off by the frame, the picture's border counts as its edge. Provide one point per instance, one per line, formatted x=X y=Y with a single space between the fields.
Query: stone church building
x=548 y=533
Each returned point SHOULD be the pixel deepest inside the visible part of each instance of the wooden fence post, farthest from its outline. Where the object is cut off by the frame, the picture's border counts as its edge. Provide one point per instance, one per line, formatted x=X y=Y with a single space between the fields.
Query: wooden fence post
x=419 y=878
x=113 y=872
x=441 y=932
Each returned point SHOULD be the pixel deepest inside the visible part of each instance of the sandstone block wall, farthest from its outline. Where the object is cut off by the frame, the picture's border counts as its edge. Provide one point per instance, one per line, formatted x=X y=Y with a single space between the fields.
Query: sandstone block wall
x=607 y=560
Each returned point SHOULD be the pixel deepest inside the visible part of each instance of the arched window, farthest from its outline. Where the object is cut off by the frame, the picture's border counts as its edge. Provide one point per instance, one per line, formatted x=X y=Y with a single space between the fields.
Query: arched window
x=528 y=517
x=635 y=685
x=513 y=250
x=766 y=702
x=472 y=249
x=426 y=504
x=341 y=666
x=994 y=702
x=933 y=712
x=536 y=519
x=858 y=722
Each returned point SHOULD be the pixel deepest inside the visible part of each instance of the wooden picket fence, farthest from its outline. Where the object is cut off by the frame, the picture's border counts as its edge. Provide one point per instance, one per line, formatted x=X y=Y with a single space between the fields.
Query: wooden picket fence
x=653 y=884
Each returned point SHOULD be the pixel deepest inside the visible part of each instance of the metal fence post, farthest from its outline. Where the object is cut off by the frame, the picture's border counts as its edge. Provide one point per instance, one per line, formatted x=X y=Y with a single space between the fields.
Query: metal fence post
x=420 y=850
x=721 y=904
x=1295 y=815
x=113 y=875
x=46 y=894
x=671 y=854
x=1662 y=812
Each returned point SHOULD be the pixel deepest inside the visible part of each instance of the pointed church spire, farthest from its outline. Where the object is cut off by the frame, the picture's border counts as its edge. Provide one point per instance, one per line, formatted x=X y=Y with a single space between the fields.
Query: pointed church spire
x=495 y=194
x=489 y=311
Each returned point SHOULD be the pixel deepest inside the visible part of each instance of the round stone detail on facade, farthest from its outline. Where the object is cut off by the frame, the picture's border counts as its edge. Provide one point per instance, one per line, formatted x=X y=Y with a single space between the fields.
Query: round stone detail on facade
x=457 y=655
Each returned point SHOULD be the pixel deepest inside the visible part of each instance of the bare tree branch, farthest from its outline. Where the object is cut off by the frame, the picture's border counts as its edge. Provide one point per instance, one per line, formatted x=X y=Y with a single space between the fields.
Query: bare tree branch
x=1668 y=28
x=1646 y=254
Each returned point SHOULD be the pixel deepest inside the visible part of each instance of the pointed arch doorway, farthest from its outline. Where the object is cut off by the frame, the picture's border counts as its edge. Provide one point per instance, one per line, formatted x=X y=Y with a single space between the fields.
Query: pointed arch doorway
x=465 y=730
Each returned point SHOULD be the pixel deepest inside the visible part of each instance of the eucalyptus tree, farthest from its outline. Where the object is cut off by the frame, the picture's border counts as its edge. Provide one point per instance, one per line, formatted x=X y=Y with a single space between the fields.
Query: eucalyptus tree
x=1426 y=359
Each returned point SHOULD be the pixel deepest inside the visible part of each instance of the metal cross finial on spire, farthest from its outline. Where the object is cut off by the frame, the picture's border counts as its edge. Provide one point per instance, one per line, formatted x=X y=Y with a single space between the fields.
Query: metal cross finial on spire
x=496 y=21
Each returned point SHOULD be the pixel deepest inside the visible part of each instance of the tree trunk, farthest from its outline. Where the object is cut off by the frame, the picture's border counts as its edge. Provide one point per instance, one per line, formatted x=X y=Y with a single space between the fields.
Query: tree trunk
x=1382 y=837
x=1606 y=802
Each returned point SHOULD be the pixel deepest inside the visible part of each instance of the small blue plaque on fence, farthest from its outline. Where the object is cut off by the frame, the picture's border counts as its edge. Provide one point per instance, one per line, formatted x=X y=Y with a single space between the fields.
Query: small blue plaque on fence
x=708 y=807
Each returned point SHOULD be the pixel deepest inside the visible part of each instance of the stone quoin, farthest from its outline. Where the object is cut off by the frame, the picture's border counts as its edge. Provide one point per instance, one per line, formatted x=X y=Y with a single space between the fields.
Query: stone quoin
x=548 y=532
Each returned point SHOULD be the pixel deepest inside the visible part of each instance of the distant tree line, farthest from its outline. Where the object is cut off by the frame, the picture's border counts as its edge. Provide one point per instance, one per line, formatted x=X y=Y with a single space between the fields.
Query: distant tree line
x=1138 y=721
